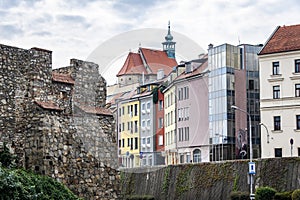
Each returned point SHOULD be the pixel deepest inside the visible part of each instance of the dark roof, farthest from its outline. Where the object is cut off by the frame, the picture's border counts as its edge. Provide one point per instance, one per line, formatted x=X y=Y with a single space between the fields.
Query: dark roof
x=283 y=39
x=48 y=105
x=62 y=78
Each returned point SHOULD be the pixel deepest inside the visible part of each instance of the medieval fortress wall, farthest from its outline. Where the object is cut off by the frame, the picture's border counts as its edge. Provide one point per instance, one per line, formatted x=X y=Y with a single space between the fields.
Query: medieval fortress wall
x=54 y=120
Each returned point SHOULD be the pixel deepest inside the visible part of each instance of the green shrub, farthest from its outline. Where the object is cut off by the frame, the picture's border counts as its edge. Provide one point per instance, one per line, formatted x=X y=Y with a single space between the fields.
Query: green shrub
x=296 y=194
x=237 y=195
x=283 y=196
x=265 y=193
x=19 y=184
x=140 y=197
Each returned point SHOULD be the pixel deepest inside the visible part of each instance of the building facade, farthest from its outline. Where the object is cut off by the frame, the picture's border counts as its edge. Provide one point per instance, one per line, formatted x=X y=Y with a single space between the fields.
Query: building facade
x=192 y=113
x=279 y=101
x=128 y=131
x=233 y=80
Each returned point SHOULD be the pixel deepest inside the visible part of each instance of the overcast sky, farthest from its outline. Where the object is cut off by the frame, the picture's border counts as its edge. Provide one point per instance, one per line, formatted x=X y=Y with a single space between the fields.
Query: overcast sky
x=75 y=28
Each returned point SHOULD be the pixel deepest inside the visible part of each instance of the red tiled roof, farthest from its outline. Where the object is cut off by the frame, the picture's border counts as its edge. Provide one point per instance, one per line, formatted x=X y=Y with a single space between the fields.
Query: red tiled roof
x=63 y=78
x=285 y=38
x=157 y=59
x=132 y=65
x=48 y=105
x=95 y=110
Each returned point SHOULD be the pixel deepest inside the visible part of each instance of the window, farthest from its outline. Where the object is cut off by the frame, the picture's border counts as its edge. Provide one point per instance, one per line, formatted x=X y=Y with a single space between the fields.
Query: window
x=123 y=142
x=277 y=122
x=297 y=90
x=143 y=124
x=120 y=144
x=135 y=126
x=298 y=151
x=278 y=152
x=135 y=109
x=161 y=105
x=196 y=156
x=275 y=68
x=160 y=140
x=128 y=142
x=179 y=94
x=251 y=85
x=181 y=158
x=131 y=143
x=128 y=109
x=120 y=112
x=148 y=106
x=297 y=122
x=123 y=126
x=179 y=114
x=276 y=92
x=143 y=107
x=297 y=66
x=188 y=157
x=123 y=110
x=148 y=123
x=136 y=144
x=160 y=122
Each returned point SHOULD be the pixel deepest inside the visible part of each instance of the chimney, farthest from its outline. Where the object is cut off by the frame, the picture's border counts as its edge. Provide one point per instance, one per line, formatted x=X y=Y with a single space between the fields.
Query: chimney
x=160 y=74
x=188 y=67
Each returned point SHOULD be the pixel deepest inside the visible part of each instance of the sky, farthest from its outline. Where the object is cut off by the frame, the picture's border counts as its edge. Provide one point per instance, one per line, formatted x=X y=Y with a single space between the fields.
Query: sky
x=75 y=28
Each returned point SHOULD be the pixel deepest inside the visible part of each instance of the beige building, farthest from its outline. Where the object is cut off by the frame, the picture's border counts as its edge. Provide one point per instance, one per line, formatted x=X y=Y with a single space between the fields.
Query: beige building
x=280 y=93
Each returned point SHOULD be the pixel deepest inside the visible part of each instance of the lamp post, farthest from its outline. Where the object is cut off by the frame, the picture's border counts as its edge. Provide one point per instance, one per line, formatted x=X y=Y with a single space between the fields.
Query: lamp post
x=251 y=164
x=268 y=136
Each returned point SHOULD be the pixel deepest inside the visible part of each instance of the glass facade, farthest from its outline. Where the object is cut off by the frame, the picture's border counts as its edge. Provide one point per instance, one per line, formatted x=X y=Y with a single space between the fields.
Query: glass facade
x=223 y=60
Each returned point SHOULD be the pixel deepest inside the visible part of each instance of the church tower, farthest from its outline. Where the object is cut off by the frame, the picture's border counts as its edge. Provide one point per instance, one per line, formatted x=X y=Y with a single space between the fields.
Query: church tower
x=169 y=45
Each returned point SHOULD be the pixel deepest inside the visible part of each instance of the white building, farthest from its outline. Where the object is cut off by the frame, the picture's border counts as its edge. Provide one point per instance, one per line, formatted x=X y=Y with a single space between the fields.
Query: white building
x=280 y=93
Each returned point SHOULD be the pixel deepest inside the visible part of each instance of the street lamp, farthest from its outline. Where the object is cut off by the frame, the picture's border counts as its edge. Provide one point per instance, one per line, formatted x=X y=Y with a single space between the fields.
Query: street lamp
x=251 y=164
x=262 y=124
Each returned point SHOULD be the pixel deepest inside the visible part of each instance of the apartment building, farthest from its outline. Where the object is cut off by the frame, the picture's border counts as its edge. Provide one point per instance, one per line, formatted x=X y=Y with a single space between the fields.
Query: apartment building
x=279 y=97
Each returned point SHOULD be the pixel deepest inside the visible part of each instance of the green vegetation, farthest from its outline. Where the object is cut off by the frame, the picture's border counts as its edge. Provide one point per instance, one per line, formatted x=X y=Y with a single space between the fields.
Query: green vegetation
x=166 y=181
x=296 y=195
x=283 y=196
x=19 y=184
x=140 y=197
x=265 y=193
x=182 y=183
x=237 y=195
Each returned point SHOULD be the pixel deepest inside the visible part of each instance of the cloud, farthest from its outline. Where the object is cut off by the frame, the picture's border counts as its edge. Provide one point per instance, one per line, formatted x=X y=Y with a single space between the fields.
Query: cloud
x=10 y=31
x=74 y=28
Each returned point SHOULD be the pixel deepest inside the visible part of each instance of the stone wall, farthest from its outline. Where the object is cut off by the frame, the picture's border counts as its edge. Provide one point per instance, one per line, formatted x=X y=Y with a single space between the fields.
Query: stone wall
x=210 y=180
x=56 y=123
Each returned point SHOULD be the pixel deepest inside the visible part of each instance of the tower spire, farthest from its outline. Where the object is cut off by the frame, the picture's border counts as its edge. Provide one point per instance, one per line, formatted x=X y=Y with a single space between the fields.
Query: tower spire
x=169 y=45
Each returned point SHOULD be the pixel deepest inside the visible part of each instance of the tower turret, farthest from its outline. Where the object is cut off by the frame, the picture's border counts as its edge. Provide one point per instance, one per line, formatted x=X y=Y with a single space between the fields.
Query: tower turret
x=169 y=45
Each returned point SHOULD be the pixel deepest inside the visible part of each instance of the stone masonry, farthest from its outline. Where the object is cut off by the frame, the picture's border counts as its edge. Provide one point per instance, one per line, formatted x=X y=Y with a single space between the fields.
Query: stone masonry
x=54 y=120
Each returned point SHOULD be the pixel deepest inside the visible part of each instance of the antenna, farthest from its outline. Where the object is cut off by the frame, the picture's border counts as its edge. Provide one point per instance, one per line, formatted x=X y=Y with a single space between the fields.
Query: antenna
x=239 y=39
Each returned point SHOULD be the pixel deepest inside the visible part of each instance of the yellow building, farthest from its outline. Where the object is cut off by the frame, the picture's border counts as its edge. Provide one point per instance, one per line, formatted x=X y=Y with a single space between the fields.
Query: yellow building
x=128 y=132
x=171 y=154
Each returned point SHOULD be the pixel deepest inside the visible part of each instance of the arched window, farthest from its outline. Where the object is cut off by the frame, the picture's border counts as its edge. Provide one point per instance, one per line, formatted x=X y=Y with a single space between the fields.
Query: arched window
x=196 y=156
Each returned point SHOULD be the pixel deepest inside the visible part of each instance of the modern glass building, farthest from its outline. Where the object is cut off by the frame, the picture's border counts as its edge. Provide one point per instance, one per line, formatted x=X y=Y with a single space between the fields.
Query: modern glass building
x=233 y=80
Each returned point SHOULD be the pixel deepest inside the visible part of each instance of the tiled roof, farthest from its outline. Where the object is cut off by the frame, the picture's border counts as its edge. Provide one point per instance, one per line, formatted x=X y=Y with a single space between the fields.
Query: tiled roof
x=285 y=38
x=62 y=78
x=96 y=110
x=132 y=65
x=157 y=59
x=48 y=105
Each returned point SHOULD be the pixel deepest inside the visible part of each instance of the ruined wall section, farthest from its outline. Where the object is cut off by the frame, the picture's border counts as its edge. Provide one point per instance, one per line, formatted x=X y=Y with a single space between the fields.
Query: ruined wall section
x=90 y=86
x=72 y=141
